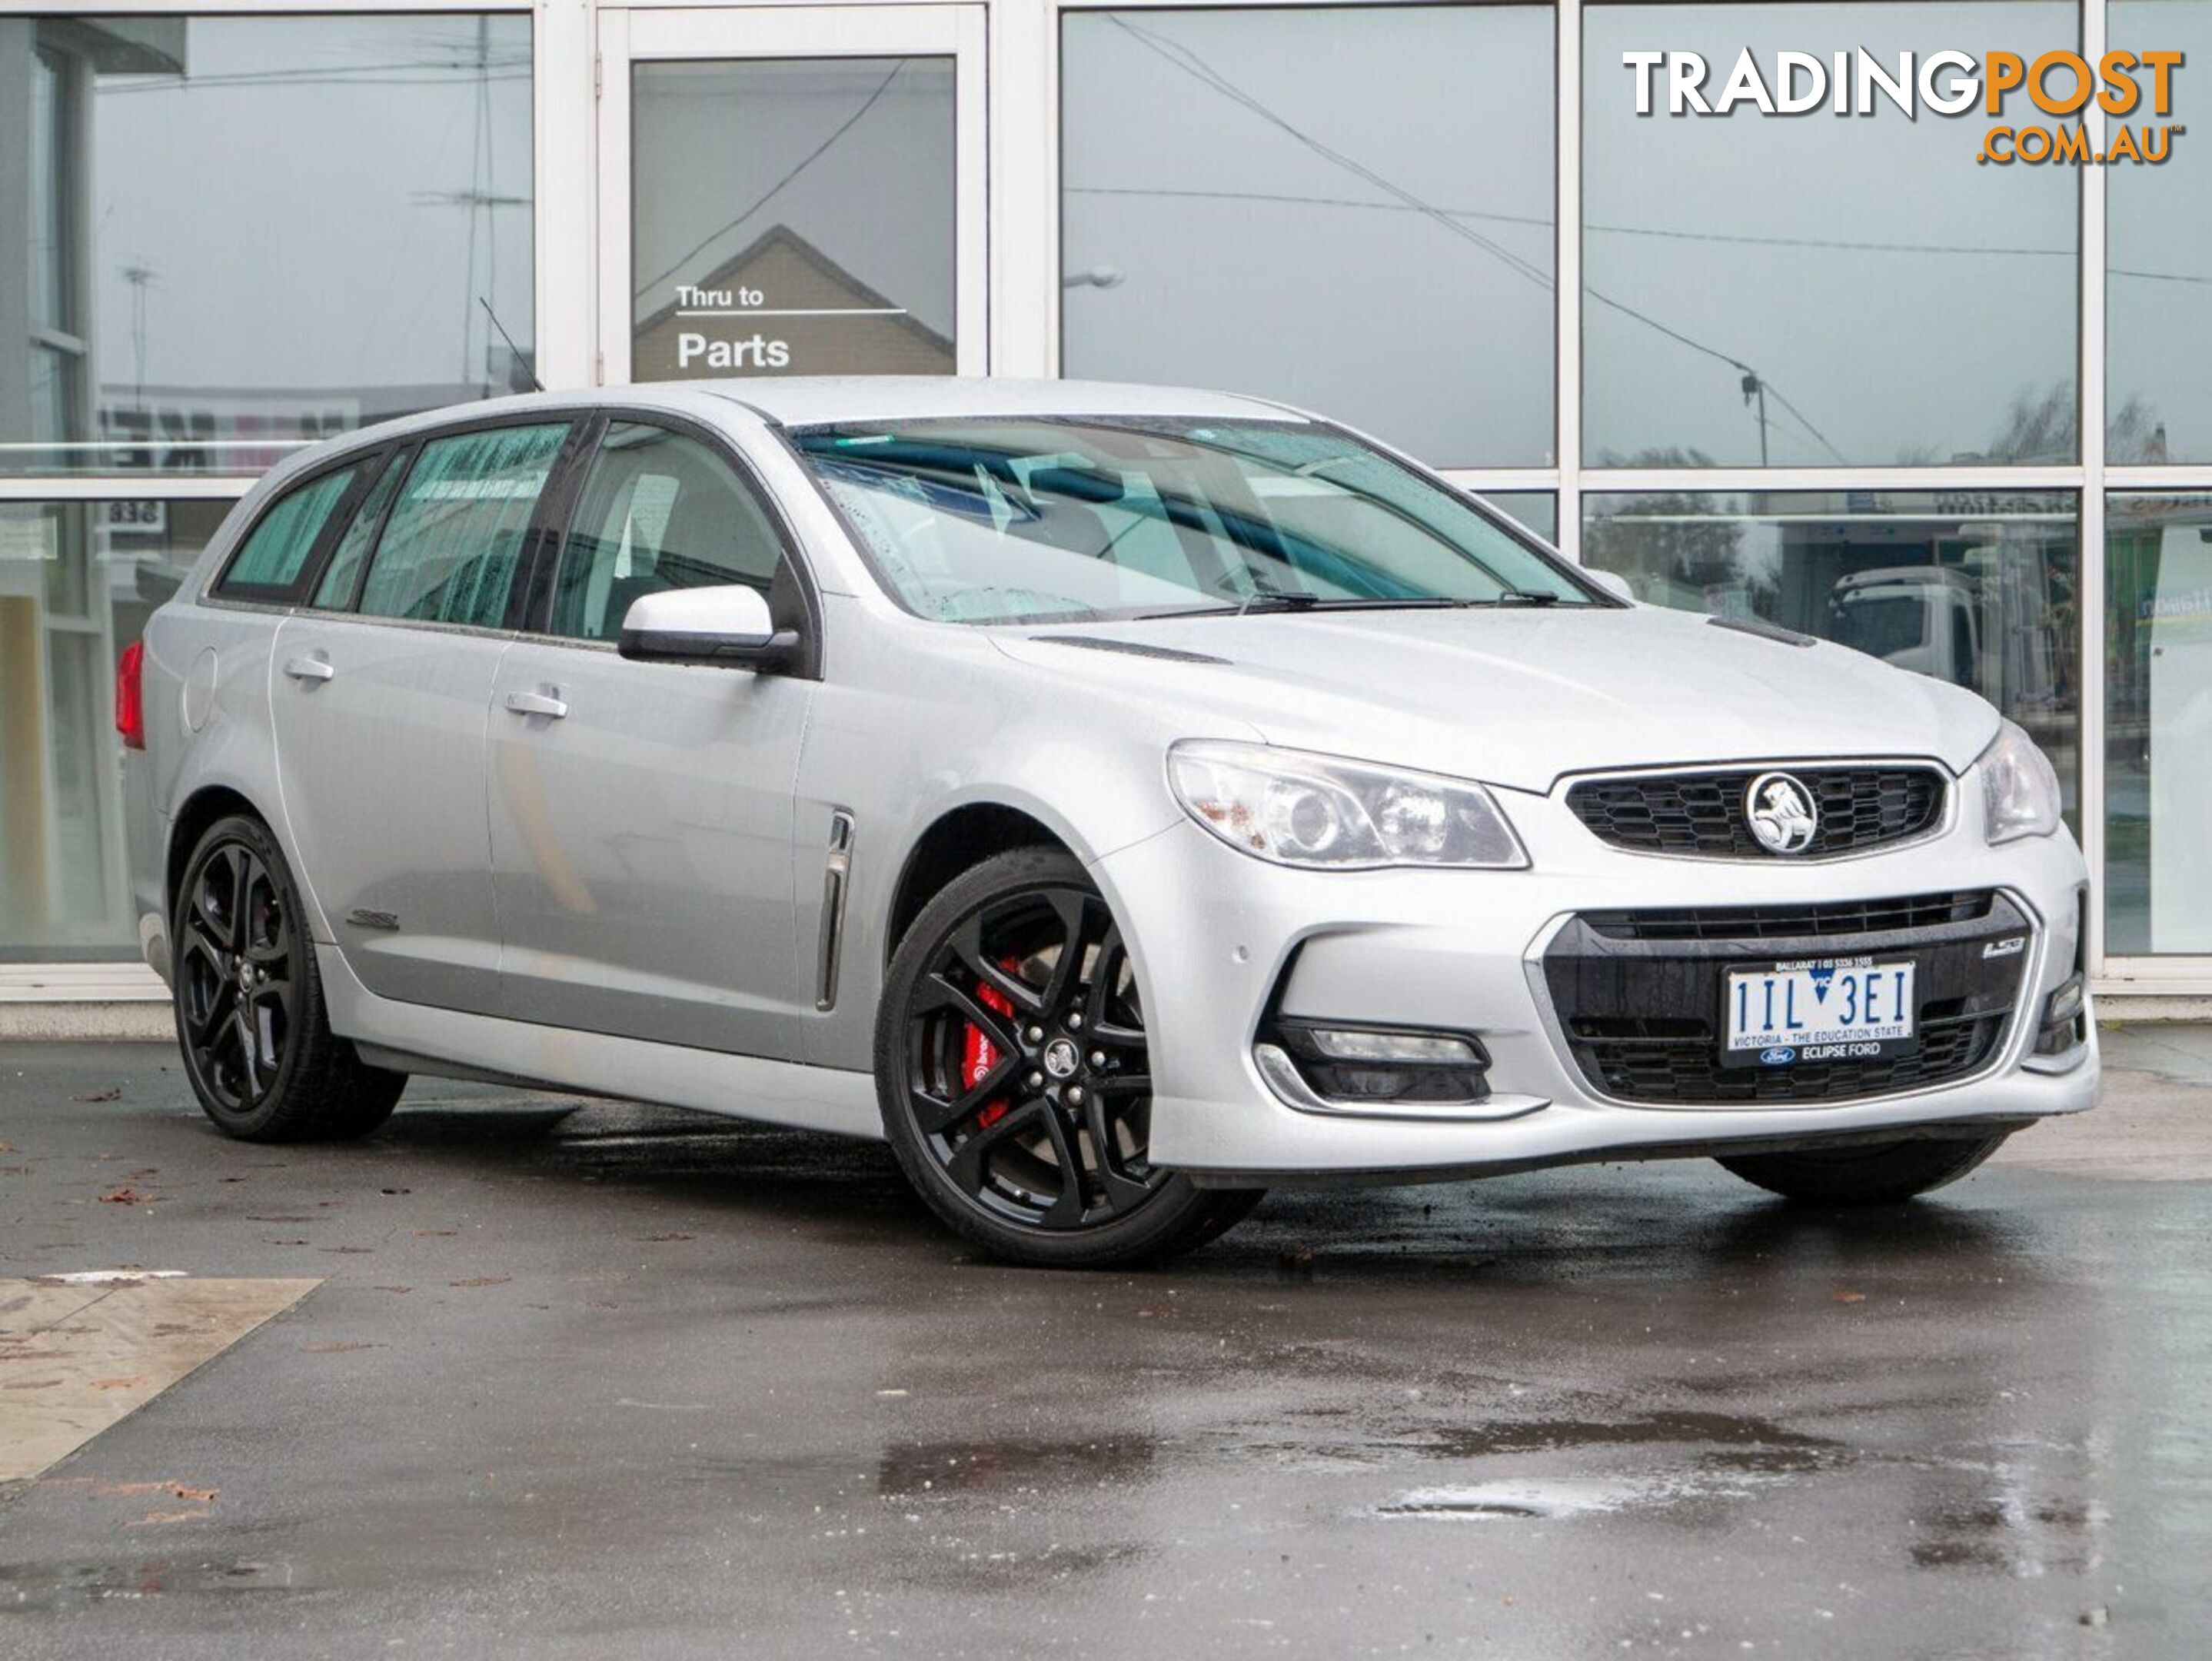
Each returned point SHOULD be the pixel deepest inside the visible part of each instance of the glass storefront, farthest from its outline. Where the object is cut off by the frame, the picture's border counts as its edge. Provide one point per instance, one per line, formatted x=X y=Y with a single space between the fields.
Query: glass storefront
x=2157 y=276
x=1810 y=291
x=763 y=248
x=1977 y=588
x=246 y=232
x=1350 y=209
x=2158 y=721
x=228 y=233
x=77 y=579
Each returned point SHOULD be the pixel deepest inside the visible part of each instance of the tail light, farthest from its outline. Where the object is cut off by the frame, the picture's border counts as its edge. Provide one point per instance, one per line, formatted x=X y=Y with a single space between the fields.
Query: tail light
x=129 y=697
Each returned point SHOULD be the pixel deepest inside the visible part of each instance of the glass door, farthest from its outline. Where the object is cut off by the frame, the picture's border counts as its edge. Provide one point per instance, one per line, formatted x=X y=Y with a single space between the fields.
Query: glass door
x=792 y=189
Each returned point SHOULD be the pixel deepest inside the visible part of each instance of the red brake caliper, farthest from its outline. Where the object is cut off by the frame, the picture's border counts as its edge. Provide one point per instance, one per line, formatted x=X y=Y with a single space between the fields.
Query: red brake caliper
x=978 y=1055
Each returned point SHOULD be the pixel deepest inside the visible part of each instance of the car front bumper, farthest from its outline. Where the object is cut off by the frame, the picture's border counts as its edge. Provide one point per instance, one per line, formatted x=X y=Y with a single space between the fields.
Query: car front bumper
x=1226 y=943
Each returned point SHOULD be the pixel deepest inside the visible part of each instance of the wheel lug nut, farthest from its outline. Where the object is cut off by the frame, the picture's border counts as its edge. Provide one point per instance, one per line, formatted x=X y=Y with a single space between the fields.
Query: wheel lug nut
x=1075 y=1094
x=1034 y=1034
x=1075 y=1023
x=1097 y=1058
x=1035 y=1079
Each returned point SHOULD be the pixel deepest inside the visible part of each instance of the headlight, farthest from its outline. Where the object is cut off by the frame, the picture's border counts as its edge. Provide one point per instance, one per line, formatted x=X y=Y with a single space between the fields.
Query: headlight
x=1296 y=808
x=2020 y=787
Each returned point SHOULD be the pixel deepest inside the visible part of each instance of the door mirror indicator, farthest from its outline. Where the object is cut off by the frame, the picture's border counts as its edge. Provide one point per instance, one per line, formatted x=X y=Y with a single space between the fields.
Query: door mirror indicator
x=726 y=625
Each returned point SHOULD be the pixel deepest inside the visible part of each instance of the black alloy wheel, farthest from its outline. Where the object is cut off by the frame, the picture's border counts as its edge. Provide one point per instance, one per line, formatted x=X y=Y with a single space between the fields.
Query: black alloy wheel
x=250 y=1018
x=235 y=991
x=1016 y=1078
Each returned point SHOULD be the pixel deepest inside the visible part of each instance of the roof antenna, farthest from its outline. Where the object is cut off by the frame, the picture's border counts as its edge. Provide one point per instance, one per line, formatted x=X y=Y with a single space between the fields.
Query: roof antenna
x=536 y=385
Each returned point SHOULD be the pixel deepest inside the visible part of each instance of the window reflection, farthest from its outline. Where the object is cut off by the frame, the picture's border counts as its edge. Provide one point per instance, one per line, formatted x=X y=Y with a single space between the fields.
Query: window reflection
x=2158 y=722
x=1978 y=589
x=77 y=581
x=1350 y=209
x=1816 y=291
x=245 y=232
x=2159 y=268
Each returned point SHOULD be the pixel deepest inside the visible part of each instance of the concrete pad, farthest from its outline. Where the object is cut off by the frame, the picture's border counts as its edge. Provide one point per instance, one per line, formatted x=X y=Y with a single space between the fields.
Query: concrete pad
x=76 y=1358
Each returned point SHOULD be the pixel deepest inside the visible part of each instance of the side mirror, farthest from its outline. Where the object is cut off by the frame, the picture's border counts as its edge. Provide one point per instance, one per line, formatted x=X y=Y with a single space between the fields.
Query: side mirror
x=724 y=626
x=1613 y=582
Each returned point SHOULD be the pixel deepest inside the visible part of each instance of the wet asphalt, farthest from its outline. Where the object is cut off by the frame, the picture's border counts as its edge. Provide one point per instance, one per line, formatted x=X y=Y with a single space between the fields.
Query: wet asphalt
x=592 y=1379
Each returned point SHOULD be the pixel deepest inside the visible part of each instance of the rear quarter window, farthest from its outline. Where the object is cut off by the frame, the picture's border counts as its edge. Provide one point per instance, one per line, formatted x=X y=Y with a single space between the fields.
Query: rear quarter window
x=269 y=564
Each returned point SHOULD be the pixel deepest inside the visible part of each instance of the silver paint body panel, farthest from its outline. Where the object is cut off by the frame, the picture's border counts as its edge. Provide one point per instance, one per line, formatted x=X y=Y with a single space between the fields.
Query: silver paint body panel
x=630 y=897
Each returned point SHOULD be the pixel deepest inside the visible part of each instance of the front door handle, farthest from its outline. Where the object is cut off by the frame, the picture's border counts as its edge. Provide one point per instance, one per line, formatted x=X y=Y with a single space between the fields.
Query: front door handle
x=536 y=703
x=309 y=669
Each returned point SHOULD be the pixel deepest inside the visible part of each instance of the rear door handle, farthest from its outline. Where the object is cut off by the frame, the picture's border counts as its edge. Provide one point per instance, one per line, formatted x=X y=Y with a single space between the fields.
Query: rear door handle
x=536 y=703
x=309 y=669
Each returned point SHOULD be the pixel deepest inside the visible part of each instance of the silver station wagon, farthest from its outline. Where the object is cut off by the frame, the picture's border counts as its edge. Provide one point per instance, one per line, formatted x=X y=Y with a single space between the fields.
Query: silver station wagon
x=1122 y=799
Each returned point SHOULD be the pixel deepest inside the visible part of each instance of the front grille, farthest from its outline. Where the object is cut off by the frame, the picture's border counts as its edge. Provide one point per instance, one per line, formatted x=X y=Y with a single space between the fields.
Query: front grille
x=1639 y=994
x=1768 y=922
x=1703 y=813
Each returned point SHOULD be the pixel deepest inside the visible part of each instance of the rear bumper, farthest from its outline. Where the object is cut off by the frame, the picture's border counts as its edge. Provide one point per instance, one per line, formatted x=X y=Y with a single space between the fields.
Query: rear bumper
x=1230 y=943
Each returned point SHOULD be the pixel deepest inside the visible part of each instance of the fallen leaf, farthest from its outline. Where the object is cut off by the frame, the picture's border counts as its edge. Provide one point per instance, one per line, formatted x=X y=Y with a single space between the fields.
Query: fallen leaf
x=158 y=1517
x=395 y=1289
x=435 y=1233
x=127 y=1195
x=654 y=1239
x=198 y=1496
x=482 y=1281
x=251 y=1217
x=113 y=1093
x=395 y=1190
x=1849 y=1297
x=341 y=1347
x=351 y=1251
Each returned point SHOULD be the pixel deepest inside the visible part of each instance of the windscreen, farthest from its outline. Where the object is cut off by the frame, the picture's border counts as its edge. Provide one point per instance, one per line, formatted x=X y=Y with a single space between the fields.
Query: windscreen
x=1010 y=521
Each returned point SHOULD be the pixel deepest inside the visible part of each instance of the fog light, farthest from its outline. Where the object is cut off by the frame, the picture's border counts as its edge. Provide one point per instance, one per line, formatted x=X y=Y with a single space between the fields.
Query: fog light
x=2063 y=1024
x=1376 y=1066
x=1344 y=1043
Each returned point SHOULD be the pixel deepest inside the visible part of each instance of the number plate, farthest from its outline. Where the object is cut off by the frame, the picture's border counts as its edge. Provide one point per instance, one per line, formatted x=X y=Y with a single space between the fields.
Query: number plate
x=1819 y=1009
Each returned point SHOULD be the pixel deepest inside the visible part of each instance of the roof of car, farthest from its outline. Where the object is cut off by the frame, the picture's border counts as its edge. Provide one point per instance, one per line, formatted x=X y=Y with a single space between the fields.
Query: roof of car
x=807 y=400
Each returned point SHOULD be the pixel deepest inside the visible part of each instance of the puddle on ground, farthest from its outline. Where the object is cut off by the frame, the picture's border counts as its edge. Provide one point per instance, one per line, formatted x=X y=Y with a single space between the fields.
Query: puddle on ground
x=62 y=1588
x=909 y=1469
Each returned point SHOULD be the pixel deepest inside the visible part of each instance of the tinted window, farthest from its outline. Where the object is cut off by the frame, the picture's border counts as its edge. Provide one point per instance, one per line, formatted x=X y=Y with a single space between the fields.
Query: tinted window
x=277 y=550
x=659 y=511
x=449 y=551
x=343 y=575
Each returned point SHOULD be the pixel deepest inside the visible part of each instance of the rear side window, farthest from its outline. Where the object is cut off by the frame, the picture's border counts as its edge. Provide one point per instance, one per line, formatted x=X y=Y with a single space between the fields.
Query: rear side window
x=455 y=533
x=343 y=575
x=277 y=550
x=659 y=511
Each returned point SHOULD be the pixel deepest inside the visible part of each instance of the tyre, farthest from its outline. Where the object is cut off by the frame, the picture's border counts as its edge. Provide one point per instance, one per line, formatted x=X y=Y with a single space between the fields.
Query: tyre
x=1010 y=1064
x=1865 y=1176
x=256 y=1036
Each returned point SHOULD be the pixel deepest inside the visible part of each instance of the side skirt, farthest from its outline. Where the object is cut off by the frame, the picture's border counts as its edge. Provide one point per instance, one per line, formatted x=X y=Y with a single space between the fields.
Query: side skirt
x=446 y=1043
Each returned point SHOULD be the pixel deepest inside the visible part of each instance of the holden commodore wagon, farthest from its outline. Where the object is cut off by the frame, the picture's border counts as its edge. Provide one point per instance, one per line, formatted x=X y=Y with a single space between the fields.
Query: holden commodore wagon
x=1120 y=800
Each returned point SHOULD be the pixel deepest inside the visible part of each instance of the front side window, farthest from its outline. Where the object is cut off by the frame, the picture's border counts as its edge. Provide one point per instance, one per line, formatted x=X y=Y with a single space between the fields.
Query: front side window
x=1004 y=521
x=659 y=511
x=276 y=551
x=455 y=534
